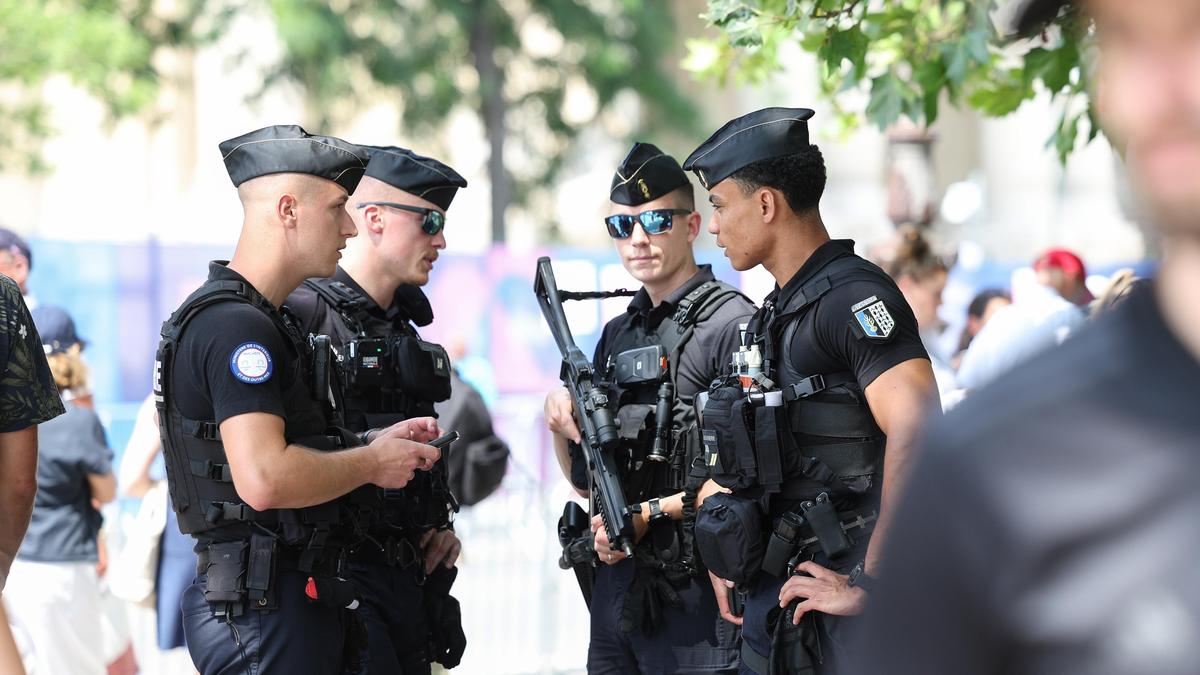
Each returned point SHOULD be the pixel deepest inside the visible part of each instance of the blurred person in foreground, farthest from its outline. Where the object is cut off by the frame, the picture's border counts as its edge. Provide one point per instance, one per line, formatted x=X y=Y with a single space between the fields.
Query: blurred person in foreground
x=1050 y=526
x=834 y=410
x=373 y=303
x=55 y=589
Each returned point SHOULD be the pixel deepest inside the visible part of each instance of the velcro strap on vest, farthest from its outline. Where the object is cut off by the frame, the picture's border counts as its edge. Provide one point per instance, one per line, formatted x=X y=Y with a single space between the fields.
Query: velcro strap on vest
x=205 y=430
x=832 y=420
x=212 y=471
x=216 y=512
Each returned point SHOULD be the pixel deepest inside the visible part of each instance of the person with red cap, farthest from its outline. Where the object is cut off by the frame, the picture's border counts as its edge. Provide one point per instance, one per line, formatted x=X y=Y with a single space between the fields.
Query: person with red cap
x=1064 y=271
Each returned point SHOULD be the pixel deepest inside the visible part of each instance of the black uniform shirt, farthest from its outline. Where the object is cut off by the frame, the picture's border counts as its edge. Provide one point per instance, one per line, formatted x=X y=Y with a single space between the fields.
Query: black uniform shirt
x=219 y=373
x=705 y=356
x=824 y=341
x=1051 y=525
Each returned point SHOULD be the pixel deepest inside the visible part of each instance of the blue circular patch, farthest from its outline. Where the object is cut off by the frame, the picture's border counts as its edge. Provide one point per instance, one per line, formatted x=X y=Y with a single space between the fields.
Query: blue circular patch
x=251 y=363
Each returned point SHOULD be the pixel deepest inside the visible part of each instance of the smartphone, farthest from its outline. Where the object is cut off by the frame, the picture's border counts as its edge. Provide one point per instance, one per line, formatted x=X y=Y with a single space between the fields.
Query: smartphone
x=442 y=441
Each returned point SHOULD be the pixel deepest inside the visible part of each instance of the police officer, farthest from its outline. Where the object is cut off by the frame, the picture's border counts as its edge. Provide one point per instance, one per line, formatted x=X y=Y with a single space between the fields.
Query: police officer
x=655 y=613
x=371 y=308
x=815 y=432
x=1050 y=524
x=250 y=454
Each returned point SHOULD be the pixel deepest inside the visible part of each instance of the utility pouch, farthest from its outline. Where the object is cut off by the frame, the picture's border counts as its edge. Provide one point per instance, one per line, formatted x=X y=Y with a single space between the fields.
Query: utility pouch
x=823 y=519
x=729 y=537
x=768 y=456
x=422 y=369
x=322 y=367
x=226 y=572
x=728 y=444
x=260 y=572
x=782 y=544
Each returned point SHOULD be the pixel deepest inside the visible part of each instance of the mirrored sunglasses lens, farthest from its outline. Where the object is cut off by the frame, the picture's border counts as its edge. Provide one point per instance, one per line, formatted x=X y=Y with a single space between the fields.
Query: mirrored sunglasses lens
x=433 y=223
x=655 y=222
x=619 y=227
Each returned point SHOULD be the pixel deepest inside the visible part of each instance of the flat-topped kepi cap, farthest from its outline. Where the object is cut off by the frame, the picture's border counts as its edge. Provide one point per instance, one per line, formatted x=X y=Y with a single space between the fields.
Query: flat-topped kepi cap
x=762 y=134
x=645 y=174
x=1033 y=14
x=287 y=148
x=420 y=176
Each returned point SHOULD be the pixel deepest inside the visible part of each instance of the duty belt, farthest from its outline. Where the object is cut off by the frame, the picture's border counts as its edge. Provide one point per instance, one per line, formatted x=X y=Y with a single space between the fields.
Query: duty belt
x=786 y=550
x=288 y=558
x=399 y=552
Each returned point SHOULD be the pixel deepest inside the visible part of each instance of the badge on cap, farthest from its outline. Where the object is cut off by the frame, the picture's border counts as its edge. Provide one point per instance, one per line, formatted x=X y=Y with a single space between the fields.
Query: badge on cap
x=251 y=363
x=873 y=320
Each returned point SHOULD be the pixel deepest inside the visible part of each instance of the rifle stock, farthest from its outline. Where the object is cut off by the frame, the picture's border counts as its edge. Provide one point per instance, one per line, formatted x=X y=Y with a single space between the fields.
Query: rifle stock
x=596 y=425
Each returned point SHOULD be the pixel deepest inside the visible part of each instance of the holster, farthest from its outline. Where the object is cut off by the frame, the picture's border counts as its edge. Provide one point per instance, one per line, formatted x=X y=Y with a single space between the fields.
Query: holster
x=579 y=553
x=443 y=615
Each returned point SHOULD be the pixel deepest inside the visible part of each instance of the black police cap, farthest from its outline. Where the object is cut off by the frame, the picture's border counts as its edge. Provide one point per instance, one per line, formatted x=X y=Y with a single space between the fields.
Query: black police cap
x=287 y=148
x=645 y=174
x=762 y=134
x=423 y=177
x=1036 y=13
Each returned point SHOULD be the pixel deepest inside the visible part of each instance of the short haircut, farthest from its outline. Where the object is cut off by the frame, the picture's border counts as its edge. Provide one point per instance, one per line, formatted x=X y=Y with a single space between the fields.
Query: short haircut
x=799 y=176
x=685 y=196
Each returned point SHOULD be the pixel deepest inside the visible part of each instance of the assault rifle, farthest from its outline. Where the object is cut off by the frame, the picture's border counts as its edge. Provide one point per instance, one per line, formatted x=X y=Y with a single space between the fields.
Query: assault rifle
x=592 y=414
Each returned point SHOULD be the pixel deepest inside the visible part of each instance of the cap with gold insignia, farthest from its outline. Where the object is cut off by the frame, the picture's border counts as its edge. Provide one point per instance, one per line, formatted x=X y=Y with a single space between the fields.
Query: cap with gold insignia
x=423 y=177
x=762 y=134
x=287 y=148
x=645 y=174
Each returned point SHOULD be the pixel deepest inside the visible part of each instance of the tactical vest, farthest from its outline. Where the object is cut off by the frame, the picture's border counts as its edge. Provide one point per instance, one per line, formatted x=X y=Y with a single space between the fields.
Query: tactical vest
x=823 y=438
x=682 y=470
x=198 y=473
x=427 y=500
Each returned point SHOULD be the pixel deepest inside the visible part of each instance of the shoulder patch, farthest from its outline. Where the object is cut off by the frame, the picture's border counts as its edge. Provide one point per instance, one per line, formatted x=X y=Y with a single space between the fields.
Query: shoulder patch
x=872 y=320
x=251 y=363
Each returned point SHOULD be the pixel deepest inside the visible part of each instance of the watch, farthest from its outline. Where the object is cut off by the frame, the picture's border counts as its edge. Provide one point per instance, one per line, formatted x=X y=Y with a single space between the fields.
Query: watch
x=656 y=511
x=860 y=578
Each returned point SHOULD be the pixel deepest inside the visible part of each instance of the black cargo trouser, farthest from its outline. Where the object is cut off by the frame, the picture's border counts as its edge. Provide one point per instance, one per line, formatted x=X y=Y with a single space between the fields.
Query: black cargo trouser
x=393 y=610
x=300 y=636
x=692 y=638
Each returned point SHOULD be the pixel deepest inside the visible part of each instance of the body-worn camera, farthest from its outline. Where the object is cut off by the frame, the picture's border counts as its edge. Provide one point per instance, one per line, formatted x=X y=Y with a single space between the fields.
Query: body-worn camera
x=640 y=366
x=378 y=370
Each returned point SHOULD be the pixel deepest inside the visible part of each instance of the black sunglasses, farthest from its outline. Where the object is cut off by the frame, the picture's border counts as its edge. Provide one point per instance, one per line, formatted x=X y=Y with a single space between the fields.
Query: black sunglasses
x=655 y=221
x=432 y=224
